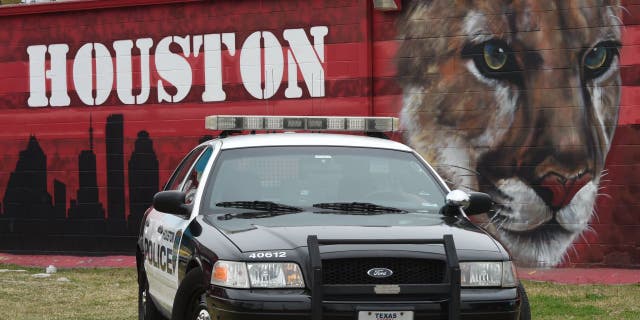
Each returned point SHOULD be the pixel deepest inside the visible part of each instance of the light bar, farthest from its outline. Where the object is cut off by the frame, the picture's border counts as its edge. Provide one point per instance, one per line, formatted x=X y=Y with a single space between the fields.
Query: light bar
x=360 y=124
x=387 y=5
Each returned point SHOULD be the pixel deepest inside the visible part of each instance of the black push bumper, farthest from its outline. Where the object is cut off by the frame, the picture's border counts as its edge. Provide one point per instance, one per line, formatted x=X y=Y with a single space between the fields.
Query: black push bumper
x=232 y=304
x=445 y=300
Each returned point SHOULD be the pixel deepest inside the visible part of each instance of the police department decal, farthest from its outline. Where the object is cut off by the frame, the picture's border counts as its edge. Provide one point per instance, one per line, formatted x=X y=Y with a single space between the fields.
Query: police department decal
x=161 y=256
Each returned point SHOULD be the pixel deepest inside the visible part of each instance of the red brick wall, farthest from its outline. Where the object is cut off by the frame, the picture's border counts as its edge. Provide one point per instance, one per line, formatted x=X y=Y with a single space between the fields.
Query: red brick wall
x=361 y=77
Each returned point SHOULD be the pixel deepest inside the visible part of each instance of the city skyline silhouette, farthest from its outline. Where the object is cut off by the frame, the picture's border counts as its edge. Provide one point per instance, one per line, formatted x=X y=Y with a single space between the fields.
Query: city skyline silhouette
x=34 y=220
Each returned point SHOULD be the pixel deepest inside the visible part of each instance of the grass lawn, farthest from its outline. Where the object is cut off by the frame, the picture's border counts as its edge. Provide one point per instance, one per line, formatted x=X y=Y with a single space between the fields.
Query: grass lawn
x=89 y=294
x=556 y=301
x=112 y=294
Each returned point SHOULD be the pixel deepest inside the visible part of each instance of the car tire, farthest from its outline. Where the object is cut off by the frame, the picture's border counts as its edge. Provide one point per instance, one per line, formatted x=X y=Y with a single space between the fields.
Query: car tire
x=525 y=308
x=146 y=308
x=190 y=302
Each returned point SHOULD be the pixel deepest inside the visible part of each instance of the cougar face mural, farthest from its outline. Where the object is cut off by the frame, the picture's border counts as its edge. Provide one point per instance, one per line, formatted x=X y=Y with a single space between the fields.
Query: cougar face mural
x=518 y=99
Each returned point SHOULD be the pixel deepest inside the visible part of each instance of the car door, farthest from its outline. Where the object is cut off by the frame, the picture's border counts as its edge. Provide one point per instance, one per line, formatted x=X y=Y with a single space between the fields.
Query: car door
x=160 y=264
x=171 y=228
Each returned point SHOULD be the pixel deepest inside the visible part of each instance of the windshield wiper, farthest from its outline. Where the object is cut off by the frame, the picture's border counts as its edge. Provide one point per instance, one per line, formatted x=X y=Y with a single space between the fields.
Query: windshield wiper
x=259 y=205
x=252 y=215
x=362 y=207
x=271 y=209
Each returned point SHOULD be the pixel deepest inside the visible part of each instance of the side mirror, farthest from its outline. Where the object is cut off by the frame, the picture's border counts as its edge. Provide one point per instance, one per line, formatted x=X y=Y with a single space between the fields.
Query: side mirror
x=472 y=203
x=173 y=202
x=480 y=203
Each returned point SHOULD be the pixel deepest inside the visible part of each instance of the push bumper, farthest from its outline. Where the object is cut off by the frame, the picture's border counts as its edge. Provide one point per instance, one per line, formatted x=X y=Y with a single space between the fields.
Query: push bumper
x=230 y=304
x=429 y=301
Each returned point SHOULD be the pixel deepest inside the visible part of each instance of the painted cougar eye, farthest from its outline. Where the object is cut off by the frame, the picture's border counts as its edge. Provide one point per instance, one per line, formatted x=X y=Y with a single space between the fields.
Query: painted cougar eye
x=597 y=60
x=493 y=59
x=495 y=56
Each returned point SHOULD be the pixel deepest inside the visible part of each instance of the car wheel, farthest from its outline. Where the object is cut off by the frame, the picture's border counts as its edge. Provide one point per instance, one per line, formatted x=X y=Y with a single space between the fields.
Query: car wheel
x=198 y=309
x=146 y=308
x=525 y=308
x=190 y=303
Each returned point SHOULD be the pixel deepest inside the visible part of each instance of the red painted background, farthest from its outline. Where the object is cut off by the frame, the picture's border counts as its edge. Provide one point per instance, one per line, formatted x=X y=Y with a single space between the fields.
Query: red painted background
x=360 y=80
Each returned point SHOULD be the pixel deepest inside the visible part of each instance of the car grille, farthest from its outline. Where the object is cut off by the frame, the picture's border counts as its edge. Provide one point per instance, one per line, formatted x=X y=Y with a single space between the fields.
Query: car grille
x=405 y=271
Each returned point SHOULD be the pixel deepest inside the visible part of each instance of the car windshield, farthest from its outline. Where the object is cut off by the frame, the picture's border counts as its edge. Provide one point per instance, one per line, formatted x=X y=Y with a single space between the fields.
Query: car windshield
x=285 y=181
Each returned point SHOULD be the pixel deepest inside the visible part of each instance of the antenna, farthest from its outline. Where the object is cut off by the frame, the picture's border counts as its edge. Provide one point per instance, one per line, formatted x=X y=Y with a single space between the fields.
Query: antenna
x=90 y=131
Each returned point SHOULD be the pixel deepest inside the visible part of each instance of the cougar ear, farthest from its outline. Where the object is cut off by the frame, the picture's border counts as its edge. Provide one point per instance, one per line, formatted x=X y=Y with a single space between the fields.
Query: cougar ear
x=420 y=46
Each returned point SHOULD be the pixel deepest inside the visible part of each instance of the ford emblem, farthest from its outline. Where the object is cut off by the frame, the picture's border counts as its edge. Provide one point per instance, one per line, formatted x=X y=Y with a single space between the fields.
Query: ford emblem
x=380 y=272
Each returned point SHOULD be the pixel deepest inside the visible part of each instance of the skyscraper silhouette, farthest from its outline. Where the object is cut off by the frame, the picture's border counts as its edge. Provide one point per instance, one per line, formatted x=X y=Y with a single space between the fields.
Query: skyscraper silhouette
x=143 y=179
x=60 y=199
x=26 y=195
x=114 y=140
x=87 y=205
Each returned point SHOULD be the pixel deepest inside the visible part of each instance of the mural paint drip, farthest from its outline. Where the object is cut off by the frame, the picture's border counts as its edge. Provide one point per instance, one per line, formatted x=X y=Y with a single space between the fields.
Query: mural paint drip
x=537 y=116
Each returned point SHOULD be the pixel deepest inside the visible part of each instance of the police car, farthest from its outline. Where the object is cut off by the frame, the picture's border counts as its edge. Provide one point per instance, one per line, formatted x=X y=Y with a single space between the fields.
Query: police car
x=318 y=226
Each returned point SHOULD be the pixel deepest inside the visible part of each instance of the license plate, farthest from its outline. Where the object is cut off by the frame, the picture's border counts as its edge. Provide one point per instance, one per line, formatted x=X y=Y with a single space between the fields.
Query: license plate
x=385 y=315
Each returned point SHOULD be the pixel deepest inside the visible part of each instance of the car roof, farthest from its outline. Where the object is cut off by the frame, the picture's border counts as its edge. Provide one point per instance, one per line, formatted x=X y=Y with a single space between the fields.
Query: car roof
x=309 y=139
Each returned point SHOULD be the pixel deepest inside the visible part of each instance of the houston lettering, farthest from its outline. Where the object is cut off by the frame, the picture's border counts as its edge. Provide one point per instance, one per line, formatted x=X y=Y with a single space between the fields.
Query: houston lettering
x=95 y=72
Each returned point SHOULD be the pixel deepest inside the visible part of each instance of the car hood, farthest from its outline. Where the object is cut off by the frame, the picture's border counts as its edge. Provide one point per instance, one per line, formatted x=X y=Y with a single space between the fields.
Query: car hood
x=264 y=234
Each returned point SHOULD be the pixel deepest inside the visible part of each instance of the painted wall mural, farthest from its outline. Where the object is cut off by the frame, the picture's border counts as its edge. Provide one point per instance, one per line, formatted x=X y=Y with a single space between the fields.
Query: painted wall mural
x=519 y=100
x=534 y=102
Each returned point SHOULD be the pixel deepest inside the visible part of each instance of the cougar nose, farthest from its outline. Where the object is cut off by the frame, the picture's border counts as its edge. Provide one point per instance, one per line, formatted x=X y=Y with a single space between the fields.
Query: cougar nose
x=557 y=190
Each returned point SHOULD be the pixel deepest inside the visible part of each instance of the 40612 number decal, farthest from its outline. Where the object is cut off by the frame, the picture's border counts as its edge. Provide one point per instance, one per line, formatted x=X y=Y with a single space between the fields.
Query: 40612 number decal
x=268 y=254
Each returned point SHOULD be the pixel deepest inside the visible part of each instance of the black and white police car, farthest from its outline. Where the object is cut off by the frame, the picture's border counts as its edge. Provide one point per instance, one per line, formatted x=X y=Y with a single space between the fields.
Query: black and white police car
x=318 y=226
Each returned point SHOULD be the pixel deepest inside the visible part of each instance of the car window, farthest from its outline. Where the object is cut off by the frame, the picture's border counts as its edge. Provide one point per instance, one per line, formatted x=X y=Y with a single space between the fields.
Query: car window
x=304 y=176
x=195 y=175
x=178 y=176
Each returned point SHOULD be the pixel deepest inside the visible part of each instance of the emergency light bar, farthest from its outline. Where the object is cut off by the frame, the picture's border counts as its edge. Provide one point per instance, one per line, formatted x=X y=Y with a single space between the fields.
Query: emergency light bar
x=361 y=124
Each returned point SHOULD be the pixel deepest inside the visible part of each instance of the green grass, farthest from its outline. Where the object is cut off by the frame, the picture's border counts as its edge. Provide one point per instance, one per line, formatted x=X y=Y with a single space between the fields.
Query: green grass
x=112 y=294
x=89 y=294
x=555 y=301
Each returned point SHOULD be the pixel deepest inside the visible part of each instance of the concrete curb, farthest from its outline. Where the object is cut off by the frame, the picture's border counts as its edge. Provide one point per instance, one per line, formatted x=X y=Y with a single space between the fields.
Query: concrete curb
x=556 y=275
x=581 y=275
x=62 y=261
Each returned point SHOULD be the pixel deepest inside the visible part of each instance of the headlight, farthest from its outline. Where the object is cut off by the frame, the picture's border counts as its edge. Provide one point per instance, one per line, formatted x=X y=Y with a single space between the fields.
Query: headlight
x=230 y=274
x=256 y=275
x=275 y=275
x=488 y=274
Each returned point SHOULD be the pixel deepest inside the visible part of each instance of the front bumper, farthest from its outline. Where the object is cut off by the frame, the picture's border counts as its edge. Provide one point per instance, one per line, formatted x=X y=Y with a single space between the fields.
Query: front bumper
x=228 y=304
